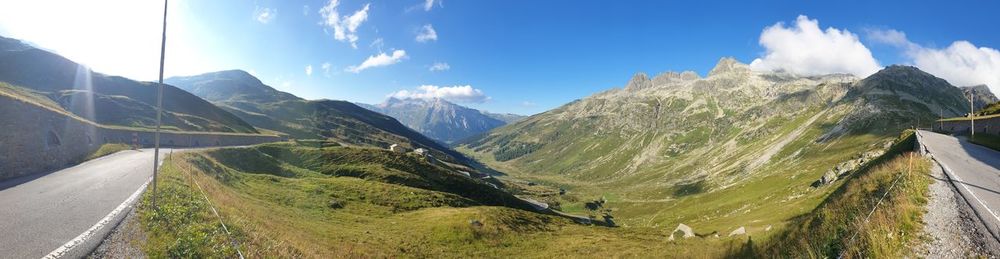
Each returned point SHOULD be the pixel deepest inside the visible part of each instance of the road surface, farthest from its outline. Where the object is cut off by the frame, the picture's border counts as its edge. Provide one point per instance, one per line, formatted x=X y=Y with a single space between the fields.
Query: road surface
x=42 y=213
x=973 y=169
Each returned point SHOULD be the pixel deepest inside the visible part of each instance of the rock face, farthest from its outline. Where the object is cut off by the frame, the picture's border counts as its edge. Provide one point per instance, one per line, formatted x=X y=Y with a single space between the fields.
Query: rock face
x=981 y=95
x=638 y=82
x=439 y=119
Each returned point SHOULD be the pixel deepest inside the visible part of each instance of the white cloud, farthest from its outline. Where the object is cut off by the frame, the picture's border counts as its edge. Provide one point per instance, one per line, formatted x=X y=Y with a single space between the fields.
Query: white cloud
x=464 y=94
x=427 y=33
x=961 y=63
x=891 y=37
x=439 y=66
x=265 y=15
x=344 y=28
x=378 y=61
x=429 y=4
x=377 y=44
x=804 y=49
x=305 y=10
x=326 y=69
x=309 y=70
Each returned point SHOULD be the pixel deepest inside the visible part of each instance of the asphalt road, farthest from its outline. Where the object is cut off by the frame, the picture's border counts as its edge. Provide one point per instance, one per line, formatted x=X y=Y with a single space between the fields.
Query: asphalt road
x=975 y=171
x=41 y=213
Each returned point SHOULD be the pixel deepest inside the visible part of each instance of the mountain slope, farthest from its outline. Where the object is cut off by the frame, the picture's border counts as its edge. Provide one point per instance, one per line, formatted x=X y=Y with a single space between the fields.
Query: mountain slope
x=981 y=95
x=735 y=147
x=108 y=100
x=265 y=107
x=438 y=119
x=507 y=118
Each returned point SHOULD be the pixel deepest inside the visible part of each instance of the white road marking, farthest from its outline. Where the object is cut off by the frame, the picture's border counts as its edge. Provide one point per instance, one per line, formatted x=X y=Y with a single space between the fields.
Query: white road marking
x=966 y=187
x=65 y=248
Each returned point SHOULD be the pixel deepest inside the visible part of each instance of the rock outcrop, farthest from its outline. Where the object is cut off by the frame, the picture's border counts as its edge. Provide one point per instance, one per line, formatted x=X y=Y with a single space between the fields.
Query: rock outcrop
x=739 y=231
x=686 y=231
x=638 y=82
x=844 y=168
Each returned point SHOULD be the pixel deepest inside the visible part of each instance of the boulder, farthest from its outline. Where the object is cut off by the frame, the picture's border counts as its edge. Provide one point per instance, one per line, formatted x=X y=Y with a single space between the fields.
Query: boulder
x=738 y=231
x=685 y=229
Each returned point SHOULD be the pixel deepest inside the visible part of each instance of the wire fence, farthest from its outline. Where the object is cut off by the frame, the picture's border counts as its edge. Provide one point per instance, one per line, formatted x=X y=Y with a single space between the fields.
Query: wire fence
x=232 y=240
x=850 y=242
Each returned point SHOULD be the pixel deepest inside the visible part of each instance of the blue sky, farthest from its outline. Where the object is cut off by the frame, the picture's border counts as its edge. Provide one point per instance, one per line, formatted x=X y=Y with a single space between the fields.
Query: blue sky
x=505 y=56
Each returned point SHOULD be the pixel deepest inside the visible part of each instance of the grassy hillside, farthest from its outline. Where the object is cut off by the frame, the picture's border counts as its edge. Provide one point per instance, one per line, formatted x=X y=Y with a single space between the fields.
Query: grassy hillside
x=286 y=200
x=735 y=149
x=841 y=225
x=108 y=100
x=264 y=107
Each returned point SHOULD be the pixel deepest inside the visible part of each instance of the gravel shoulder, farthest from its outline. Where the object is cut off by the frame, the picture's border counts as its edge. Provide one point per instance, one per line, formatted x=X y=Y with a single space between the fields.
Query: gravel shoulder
x=125 y=241
x=951 y=228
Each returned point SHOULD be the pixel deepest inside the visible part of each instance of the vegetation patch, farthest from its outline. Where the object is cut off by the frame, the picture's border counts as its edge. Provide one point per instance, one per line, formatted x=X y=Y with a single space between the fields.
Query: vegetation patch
x=108 y=149
x=876 y=214
x=987 y=140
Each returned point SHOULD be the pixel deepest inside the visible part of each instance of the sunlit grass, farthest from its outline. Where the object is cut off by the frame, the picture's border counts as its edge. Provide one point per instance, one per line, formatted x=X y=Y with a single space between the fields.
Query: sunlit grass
x=839 y=226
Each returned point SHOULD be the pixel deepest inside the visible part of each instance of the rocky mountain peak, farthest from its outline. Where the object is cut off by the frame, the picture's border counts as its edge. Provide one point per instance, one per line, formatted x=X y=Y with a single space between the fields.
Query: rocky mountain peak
x=728 y=64
x=907 y=76
x=981 y=95
x=639 y=81
x=667 y=77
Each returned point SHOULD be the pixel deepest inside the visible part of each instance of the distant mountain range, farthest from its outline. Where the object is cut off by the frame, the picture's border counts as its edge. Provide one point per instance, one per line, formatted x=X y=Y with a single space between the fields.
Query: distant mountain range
x=266 y=108
x=441 y=120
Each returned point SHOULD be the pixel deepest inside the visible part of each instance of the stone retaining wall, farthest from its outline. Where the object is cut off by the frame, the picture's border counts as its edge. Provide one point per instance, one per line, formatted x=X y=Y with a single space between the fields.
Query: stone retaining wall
x=990 y=125
x=35 y=139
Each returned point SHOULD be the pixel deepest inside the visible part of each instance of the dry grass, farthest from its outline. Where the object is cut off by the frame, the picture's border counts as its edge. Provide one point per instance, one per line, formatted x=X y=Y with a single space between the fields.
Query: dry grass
x=839 y=225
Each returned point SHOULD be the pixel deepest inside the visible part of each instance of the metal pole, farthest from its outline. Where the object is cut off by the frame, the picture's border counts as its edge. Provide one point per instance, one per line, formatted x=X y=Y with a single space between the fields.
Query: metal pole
x=972 y=118
x=159 y=103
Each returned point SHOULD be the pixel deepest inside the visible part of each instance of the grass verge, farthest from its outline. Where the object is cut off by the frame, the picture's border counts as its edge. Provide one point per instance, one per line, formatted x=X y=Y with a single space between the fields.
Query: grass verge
x=841 y=226
x=107 y=149
x=987 y=140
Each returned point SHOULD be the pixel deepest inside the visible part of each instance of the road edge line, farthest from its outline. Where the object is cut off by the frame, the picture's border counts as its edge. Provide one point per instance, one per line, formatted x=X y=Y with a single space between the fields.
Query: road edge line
x=75 y=242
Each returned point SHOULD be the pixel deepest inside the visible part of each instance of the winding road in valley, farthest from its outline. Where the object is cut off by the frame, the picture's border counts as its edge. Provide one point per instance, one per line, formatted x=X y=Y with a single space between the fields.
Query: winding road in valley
x=974 y=170
x=68 y=212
